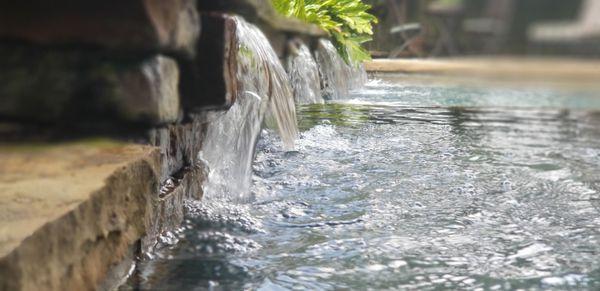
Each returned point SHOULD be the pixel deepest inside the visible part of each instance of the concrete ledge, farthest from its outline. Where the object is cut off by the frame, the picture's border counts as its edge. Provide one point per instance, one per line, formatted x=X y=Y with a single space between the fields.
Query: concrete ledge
x=514 y=69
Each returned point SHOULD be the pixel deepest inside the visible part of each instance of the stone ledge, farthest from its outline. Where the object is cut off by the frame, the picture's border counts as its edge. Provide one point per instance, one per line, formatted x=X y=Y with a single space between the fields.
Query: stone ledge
x=72 y=212
x=262 y=13
x=69 y=212
x=278 y=28
x=503 y=68
x=70 y=86
x=140 y=25
x=209 y=81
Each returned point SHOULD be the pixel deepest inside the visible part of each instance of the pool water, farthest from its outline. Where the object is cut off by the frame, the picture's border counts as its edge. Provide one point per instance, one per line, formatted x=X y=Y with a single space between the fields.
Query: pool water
x=408 y=185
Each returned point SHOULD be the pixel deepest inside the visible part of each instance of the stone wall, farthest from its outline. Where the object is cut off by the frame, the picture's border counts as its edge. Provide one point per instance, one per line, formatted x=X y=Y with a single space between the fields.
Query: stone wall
x=140 y=71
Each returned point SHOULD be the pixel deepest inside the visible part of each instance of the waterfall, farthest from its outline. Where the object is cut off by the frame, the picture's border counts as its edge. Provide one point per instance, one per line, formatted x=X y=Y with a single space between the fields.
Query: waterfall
x=337 y=77
x=231 y=136
x=304 y=74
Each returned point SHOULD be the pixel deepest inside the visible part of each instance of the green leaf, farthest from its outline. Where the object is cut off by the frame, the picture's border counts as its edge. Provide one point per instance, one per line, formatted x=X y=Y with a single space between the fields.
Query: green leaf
x=347 y=21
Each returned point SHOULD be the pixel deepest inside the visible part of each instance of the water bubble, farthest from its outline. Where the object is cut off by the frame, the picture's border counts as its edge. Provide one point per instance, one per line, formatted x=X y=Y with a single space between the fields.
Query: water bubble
x=506 y=186
x=211 y=242
x=397 y=264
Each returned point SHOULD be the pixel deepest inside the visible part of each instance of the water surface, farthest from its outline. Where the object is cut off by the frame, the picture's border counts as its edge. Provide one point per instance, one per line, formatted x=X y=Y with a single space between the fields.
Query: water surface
x=408 y=185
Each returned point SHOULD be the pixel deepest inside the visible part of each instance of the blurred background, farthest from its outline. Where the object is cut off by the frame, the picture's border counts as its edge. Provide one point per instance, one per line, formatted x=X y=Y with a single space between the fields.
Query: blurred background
x=430 y=28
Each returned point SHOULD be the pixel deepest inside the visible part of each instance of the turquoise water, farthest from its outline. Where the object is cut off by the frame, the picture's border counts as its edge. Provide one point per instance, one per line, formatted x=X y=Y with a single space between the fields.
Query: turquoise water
x=408 y=185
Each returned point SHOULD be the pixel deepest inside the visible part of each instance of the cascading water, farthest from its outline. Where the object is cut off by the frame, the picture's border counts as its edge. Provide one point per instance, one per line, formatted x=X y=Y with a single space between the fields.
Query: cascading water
x=417 y=184
x=220 y=225
x=231 y=136
x=337 y=77
x=304 y=74
x=228 y=152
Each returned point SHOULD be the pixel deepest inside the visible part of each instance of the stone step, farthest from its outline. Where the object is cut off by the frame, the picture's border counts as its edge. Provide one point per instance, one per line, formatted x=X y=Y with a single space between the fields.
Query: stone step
x=70 y=212
x=132 y=25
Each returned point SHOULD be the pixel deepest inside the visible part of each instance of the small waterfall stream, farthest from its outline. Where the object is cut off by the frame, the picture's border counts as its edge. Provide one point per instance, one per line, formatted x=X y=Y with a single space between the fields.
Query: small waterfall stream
x=231 y=136
x=337 y=77
x=222 y=222
x=304 y=74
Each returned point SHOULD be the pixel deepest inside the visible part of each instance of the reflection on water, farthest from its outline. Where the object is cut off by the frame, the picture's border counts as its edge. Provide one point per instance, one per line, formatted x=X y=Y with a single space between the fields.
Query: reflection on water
x=400 y=190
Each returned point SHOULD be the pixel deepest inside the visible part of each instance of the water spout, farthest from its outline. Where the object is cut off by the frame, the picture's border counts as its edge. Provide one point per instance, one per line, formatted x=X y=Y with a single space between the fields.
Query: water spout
x=304 y=74
x=337 y=77
x=263 y=86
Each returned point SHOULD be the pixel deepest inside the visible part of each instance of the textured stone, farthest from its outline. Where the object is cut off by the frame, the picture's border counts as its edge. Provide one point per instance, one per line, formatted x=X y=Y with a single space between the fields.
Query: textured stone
x=166 y=25
x=70 y=212
x=69 y=87
x=209 y=81
x=179 y=146
x=150 y=91
x=277 y=28
x=262 y=13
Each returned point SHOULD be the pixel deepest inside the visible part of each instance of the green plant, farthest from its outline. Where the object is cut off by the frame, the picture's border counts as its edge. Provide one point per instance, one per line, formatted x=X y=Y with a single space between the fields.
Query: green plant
x=347 y=22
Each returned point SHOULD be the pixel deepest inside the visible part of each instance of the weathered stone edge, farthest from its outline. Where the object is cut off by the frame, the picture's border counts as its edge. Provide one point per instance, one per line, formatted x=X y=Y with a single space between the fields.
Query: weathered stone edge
x=77 y=250
x=262 y=13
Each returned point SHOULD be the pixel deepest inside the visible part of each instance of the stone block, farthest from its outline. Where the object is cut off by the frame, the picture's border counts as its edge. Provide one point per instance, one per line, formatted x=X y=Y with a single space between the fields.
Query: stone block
x=209 y=81
x=69 y=87
x=70 y=212
x=262 y=13
x=150 y=91
x=165 y=25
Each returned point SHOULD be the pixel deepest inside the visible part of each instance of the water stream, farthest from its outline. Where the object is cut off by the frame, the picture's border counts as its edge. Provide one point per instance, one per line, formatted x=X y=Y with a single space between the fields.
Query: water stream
x=409 y=185
x=337 y=77
x=231 y=137
x=304 y=74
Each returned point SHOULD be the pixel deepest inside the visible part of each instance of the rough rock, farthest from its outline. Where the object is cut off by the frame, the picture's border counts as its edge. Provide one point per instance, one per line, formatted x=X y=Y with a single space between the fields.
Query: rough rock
x=147 y=25
x=179 y=146
x=209 y=81
x=260 y=12
x=72 y=211
x=150 y=91
x=68 y=87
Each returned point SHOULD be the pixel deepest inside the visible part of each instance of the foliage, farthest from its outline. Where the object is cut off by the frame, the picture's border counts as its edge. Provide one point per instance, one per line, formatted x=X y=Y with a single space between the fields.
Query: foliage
x=347 y=22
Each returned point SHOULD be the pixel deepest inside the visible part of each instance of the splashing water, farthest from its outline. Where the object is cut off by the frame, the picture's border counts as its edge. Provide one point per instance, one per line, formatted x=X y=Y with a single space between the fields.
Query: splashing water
x=212 y=226
x=337 y=77
x=231 y=135
x=410 y=186
x=304 y=74
x=258 y=58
